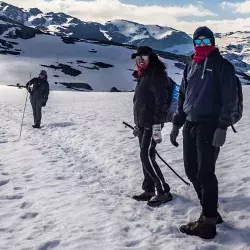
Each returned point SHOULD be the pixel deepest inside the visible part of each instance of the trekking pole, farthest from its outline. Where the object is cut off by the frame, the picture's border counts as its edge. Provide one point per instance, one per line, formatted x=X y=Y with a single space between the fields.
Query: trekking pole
x=188 y=184
x=21 y=129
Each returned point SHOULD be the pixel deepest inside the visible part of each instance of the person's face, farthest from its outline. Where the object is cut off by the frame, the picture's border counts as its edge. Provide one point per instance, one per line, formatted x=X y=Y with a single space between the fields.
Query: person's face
x=142 y=61
x=42 y=76
x=202 y=41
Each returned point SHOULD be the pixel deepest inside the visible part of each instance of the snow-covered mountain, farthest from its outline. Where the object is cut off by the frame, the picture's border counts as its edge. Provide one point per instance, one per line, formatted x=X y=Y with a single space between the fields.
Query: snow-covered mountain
x=235 y=46
x=118 y=31
x=158 y=37
x=32 y=36
x=71 y=63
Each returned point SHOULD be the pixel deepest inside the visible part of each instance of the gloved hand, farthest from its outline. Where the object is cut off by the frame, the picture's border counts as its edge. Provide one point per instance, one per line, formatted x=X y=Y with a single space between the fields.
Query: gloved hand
x=44 y=104
x=157 y=133
x=136 y=131
x=174 y=134
x=219 y=137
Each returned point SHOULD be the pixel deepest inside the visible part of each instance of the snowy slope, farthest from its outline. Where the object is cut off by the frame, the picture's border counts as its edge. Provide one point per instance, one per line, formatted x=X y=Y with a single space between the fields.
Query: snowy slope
x=69 y=185
x=101 y=66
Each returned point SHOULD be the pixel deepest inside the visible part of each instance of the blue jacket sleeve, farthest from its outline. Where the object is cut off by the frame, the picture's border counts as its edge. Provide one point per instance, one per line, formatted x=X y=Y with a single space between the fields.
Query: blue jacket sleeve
x=180 y=117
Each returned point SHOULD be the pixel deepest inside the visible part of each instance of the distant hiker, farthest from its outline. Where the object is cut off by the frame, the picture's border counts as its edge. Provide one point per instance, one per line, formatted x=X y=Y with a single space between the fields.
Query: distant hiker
x=150 y=111
x=210 y=100
x=38 y=88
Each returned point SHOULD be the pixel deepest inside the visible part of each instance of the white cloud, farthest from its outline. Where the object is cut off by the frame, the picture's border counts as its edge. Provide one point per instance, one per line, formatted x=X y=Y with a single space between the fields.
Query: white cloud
x=218 y=26
x=243 y=8
x=104 y=10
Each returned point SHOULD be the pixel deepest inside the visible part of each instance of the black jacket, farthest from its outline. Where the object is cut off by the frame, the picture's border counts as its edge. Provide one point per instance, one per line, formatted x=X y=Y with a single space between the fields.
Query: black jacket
x=38 y=88
x=208 y=92
x=151 y=98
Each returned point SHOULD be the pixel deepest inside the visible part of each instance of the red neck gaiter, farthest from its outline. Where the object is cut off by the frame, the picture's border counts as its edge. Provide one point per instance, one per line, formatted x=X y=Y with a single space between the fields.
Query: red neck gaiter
x=141 y=70
x=202 y=52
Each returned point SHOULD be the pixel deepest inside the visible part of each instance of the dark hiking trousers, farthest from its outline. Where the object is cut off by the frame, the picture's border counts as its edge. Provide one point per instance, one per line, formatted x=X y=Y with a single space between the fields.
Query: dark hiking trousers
x=37 y=110
x=153 y=177
x=199 y=159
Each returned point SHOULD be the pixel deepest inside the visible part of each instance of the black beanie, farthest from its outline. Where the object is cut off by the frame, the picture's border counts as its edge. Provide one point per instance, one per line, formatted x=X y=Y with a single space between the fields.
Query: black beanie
x=204 y=31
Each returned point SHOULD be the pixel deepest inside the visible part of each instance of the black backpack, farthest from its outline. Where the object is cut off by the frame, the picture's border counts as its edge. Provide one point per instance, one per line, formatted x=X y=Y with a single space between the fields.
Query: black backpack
x=238 y=115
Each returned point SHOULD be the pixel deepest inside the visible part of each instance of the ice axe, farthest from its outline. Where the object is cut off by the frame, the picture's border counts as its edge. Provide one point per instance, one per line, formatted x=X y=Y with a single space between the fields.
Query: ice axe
x=188 y=184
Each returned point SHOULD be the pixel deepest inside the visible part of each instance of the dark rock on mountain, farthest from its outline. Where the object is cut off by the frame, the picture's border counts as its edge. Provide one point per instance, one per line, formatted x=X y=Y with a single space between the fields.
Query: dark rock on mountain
x=77 y=85
x=80 y=61
x=7 y=52
x=92 y=68
x=103 y=65
x=180 y=65
x=114 y=89
x=66 y=69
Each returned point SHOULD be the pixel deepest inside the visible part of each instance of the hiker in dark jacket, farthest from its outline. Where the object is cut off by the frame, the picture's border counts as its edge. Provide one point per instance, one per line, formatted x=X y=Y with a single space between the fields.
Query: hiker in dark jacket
x=150 y=111
x=38 y=88
x=207 y=103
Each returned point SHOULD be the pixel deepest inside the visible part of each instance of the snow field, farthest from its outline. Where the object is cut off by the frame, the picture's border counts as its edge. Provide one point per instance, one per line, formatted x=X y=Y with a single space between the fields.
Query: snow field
x=69 y=184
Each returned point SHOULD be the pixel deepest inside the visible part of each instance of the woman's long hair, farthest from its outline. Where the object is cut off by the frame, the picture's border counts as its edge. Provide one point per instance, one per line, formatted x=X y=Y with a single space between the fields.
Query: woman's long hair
x=156 y=64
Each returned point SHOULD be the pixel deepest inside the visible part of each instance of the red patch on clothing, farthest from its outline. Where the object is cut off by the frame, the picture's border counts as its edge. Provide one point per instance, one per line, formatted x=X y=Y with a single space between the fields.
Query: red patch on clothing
x=202 y=52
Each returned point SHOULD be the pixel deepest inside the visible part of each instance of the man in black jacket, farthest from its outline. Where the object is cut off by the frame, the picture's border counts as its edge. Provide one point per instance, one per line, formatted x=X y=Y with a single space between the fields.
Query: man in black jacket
x=207 y=103
x=38 y=88
x=150 y=111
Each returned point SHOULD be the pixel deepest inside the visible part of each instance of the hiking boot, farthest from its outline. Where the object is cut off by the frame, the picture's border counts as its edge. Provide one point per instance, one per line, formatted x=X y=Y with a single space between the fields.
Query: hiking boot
x=204 y=228
x=36 y=126
x=219 y=220
x=160 y=199
x=145 y=196
x=166 y=187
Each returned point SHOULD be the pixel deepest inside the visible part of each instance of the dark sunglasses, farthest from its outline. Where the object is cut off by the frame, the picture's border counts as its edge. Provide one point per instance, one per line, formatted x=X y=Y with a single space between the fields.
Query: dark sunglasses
x=142 y=57
x=205 y=41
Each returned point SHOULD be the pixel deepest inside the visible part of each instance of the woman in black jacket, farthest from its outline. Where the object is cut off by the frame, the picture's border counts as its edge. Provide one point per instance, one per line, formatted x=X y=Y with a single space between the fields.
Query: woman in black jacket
x=150 y=111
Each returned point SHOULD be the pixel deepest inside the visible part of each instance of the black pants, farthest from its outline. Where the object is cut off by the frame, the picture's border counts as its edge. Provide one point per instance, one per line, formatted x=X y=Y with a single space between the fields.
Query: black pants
x=153 y=177
x=199 y=159
x=37 y=110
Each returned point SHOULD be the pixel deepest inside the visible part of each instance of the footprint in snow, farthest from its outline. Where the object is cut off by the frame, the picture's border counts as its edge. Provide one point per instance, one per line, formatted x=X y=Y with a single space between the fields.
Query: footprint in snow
x=17 y=188
x=26 y=205
x=49 y=245
x=4 y=182
x=4 y=173
x=3 y=142
x=29 y=216
x=28 y=176
x=11 y=197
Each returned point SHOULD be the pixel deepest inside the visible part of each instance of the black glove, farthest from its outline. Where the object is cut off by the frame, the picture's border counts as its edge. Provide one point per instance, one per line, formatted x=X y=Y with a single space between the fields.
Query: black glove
x=136 y=131
x=219 y=137
x=44 y=104
x=174 y=134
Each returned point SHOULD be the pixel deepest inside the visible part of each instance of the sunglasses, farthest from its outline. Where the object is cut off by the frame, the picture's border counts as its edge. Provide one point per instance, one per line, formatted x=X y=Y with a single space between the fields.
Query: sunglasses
x=140 y=58
x=205 y=41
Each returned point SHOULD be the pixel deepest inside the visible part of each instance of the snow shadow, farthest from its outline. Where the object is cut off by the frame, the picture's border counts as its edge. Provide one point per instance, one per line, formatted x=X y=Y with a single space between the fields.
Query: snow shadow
x=60 y=125
x=228 y=235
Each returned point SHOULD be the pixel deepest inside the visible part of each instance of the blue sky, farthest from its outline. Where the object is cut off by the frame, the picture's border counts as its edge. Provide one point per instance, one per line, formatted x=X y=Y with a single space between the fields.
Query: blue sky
x=212 y=5
x=185 y=15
